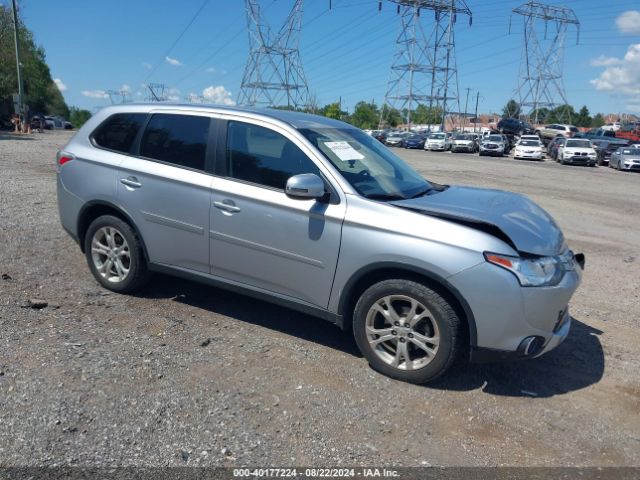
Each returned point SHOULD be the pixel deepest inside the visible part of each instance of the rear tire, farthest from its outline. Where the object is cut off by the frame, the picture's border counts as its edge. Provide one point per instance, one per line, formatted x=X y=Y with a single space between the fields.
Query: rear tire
x=421 y=332
x=115 y=254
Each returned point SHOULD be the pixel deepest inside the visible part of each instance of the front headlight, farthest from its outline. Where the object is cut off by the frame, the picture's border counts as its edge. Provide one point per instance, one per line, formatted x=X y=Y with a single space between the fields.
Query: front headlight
x=530 y=272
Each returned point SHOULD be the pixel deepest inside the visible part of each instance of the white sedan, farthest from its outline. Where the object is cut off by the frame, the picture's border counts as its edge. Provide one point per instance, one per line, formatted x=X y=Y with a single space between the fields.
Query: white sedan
x=530 y=149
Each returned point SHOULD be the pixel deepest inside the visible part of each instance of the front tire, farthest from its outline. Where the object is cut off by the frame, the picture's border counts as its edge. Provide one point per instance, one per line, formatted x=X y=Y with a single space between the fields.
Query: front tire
x=115 y=254
x=406 y=330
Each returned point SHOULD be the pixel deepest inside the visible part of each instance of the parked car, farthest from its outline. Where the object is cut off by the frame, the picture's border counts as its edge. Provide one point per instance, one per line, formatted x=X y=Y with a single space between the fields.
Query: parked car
x=556 y=130
x=530 y=137
x=554 y=145
x=601 y=134
x=413 y=141
x=438 y=141
x=313 y=214
x=604 y=149
x=626 y=158
x=612 y=127
x=464 y=142
x=577 y=151
x=507 y=143
x=513 y=126
x=528 y=149
x=381 y=135
x=493 y=145
x=395 y=139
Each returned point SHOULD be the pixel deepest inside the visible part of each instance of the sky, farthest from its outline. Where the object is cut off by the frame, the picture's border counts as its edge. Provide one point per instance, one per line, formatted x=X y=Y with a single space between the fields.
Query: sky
x=201 y=47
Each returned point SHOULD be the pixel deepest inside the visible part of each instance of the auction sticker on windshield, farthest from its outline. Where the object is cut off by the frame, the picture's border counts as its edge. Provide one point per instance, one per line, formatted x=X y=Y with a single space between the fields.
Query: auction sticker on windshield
x=344 y=151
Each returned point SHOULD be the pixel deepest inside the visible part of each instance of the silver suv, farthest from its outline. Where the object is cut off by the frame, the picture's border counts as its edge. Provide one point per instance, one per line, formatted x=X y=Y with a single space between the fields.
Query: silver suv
x=314 y=214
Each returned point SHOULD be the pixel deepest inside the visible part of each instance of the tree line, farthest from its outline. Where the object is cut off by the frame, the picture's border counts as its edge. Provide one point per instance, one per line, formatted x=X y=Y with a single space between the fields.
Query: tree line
x=560 y=114
x=41 y=93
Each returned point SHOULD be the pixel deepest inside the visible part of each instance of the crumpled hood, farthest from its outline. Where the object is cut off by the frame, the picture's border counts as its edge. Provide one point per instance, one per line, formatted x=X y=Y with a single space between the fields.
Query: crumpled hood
x=529 y=228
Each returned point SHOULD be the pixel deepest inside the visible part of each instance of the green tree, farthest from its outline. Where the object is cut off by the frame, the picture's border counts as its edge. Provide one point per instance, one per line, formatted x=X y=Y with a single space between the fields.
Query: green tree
x=391 y=116
x=511 y=109
x=583 y=119
x=598 y=121
x=332 y=111
x=41 y=93
x=427 y=115
x=78 y=117
x=365 y=115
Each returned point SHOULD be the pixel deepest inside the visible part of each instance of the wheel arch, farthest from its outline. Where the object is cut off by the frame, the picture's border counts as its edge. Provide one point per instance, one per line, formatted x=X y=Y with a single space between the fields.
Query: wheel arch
x=371 y=274
x=94 y=209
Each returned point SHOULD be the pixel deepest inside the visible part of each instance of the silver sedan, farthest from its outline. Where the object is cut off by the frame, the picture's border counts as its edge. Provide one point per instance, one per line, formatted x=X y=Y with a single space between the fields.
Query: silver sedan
x=626 y=158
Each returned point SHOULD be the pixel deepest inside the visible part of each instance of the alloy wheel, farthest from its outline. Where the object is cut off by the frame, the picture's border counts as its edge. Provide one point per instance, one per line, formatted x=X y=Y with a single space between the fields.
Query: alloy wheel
x=110 y=254
x=402 y=332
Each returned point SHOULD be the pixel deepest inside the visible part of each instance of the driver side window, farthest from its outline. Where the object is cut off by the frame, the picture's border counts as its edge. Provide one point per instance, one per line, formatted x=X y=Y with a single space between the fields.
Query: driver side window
x=259 y=155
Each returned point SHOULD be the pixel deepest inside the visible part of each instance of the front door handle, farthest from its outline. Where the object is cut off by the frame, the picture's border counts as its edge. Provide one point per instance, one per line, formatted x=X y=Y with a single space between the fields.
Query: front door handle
x=131 y=182
x=227 y=206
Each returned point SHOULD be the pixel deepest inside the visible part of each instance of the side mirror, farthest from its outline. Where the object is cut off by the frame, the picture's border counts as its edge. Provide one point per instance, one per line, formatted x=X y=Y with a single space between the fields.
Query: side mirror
x=304 y=186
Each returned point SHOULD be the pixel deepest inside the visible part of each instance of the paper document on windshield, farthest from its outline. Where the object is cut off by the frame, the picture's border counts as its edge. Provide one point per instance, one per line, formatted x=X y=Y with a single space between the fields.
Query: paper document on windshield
x=344 y=151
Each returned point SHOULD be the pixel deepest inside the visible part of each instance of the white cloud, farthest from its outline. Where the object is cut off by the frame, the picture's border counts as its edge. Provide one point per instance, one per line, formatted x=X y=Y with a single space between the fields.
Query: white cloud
x=61 y=86
x=173 y=61
x=603 y=61
x=174 y=91
x=146 y=65
x=218 y=94
x=629 y=22
x=125 y=88
x=211 y=70
x=623 y=78
x=95 y=93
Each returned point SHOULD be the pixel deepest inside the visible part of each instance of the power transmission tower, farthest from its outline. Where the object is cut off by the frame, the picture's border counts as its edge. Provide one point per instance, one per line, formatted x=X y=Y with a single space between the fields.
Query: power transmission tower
x=274 y=76
x=424 y=68
x=195 y=99
x=540 y=83
x=156 y=92
x=125 y=96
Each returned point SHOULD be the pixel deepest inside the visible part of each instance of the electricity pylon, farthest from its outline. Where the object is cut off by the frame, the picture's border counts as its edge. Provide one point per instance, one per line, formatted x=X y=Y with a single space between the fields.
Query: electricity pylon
x=424 y=69
x=540 y=79
x=274 y=76
x=125 y=96
x=157 y=92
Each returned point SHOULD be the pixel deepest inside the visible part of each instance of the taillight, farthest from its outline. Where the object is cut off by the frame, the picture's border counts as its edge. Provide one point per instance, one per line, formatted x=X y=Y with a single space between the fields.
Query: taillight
x=64 y=157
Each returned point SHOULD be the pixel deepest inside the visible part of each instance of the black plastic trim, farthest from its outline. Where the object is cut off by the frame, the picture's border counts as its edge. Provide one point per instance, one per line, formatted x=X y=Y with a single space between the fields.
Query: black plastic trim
x=356 y=277
x=490 y=355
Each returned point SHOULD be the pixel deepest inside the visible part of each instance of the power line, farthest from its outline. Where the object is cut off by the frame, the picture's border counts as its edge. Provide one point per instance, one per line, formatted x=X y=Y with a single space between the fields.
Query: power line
x=175 y=42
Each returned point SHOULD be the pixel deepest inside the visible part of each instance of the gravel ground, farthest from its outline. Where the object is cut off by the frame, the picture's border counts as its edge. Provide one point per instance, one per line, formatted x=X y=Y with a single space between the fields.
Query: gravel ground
x=183 y=374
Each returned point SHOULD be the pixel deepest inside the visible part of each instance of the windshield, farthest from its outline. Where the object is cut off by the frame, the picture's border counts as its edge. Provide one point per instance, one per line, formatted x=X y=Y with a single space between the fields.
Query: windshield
x=462 y=137
x=530 y=143
x=578 y=144
x=436 y=136
x=631 y=151
x=494 y=138
x=369 y=167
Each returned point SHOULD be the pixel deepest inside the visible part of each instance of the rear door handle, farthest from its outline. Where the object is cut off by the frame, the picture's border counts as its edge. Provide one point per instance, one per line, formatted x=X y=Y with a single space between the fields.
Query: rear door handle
x=227 y=206
x=131 y=182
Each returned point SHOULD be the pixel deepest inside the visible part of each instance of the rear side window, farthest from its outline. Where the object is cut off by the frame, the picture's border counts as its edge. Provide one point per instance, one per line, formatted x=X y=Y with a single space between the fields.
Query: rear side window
x=177 y=139
x=259 y=155
x=119 y=131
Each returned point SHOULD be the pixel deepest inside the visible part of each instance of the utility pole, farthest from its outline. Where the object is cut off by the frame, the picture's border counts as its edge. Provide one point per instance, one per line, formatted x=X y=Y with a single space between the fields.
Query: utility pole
x=476 y=122
x=466 y=103
x=15 y=37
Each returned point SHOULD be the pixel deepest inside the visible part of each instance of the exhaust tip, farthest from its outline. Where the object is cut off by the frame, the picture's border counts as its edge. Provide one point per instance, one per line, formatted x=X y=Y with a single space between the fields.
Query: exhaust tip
x=531 y=346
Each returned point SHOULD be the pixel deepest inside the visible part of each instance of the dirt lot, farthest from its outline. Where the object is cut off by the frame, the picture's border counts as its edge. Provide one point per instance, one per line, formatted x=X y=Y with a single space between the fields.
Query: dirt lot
x=182 y=374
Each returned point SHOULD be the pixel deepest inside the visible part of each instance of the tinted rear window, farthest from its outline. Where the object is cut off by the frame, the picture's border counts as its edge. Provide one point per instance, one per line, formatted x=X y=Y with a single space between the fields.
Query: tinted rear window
x=119 y=131
x=177 y=139
x=574 y=129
